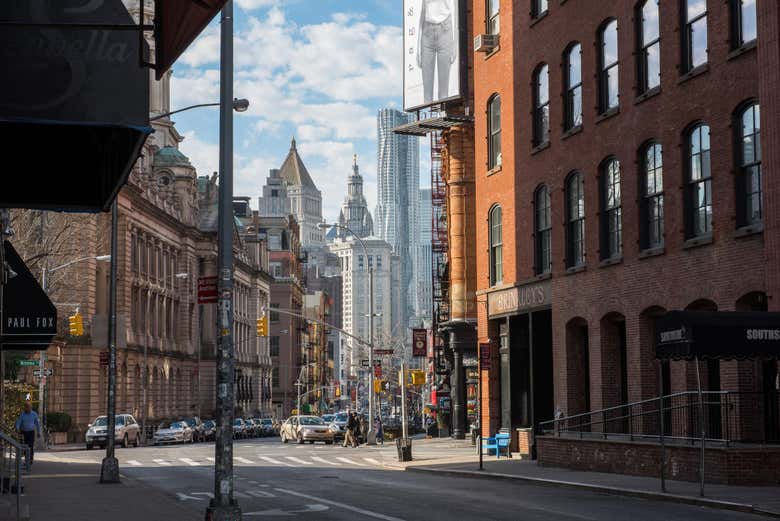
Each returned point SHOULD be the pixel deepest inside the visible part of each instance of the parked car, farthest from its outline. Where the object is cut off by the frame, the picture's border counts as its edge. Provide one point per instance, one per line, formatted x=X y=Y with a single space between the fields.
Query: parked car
x=209 y=430
x=239 y=428
x=251 y=428
x=197 y=428
x=307 y=428
x=267 y=427
x=127 y=431
x=176 y=432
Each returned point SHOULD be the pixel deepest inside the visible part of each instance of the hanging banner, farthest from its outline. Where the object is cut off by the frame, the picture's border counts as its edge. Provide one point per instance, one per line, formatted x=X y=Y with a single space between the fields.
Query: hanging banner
x=484 y=356
x=419 y=342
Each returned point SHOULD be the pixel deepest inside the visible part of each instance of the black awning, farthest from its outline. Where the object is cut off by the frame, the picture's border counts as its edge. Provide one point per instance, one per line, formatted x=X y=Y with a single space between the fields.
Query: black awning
x=74 y=106
x=688 y=335
x=178 y=23
x=29 y=319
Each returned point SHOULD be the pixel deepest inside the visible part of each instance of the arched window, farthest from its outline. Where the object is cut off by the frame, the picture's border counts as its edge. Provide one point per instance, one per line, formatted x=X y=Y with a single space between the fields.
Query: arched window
x=611 y=210
x=694 y=34
x=748 y=127
x=494 y=132
x=496 y=246
x=608 y=67
x=493 y=25
x=572 y=77
x=649 y=46
x=541 y=97
x=538 y=7
x=651 y=189
x=575 y=220
x=543 y=231
x=698 y=197
x=744 y=26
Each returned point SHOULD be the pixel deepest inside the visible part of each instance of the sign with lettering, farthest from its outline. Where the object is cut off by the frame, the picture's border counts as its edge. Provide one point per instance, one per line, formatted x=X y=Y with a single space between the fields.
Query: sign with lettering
x=520 y=299
x=419 y=342
x=207 y=290
x=29 y=319
x=484 y=355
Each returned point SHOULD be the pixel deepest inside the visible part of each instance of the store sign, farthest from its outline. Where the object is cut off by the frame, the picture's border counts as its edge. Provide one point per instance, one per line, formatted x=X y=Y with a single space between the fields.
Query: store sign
x=419 y=342
x=520 y=299
x=207 y=290
x=484 y=356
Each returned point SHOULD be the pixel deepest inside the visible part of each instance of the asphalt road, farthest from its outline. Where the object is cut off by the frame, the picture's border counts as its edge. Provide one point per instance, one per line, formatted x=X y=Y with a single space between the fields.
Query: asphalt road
x=331 y=483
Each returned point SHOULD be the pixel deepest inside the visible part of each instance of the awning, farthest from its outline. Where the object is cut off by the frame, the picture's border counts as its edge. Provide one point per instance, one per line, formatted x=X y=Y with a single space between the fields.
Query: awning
x=688 y=335
x=424 y=127
x=74 y=109
x=29 y=319
x=177 y=24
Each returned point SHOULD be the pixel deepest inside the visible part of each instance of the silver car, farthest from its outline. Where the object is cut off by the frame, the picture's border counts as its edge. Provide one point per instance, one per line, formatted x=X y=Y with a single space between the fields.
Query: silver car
x=127 y=431
x=307 y=428
x=177 y=432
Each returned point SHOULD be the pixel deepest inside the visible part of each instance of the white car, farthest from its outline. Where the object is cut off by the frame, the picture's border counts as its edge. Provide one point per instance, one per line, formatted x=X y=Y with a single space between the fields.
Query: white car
x=126 y=431
x=177 y=432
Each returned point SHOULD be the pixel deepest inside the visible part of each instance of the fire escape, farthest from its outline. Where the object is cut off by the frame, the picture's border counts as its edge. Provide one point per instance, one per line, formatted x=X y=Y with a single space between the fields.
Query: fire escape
x=439 y=247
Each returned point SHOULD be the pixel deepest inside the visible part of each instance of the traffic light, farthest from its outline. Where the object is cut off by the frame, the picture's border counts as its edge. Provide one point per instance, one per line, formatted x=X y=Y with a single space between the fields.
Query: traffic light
x=262 y=326
x=338 y=391
x=76 y=325
x=418 y=377
x=377 y=386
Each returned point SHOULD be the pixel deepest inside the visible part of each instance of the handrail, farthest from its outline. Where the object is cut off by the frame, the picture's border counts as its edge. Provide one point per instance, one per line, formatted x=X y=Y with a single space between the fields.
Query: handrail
x=11 y=452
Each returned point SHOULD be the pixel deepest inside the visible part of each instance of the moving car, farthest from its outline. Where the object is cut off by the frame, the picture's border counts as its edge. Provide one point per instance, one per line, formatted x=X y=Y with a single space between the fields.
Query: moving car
x=127 y=431
x=267 y=426
x=197 y=428
x=176 y=432
x=340 y=423
x=307 y=428
x=209 y=430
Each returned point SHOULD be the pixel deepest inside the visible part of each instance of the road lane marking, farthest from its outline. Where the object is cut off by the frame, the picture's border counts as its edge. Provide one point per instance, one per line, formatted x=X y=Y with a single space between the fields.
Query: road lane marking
x=260 y=493
x=351 y=462
x=323 y=460
x=276 y=461
x=189 y=462
x=162 y=462
x=373 y=461
x=357 y=510
x=243 y=460
x=134 y=463
x=210 y=460
x=299 y=461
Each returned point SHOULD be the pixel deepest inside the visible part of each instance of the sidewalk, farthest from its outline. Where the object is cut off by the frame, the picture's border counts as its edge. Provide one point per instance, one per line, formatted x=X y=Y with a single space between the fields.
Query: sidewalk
x=71 y=492
x=759 y=500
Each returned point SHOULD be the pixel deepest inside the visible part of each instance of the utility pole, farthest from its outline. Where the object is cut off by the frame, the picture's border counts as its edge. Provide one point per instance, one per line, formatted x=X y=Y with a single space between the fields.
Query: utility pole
x=109 y=471
x=223 y=506
x=371 y=432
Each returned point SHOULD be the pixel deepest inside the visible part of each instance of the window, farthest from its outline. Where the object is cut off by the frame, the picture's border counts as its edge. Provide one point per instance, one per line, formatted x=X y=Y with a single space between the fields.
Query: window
x=541 y=96
x=134 y=253
x=575 y=220
x=749 y=165
x=694 y=34
x=273 y=316
x=744 y=26
x=608 y=67
x=496 y=247
x=274 y=345
x=649 y=46
x=370 y=261
x=379 y=262
x=538 y=8
x=543 y=225
x=699 y=182
x=573 y=85
x=651 y=233
x=275 y=377
x=494 y=132
x=493 y=25
x=611 y=210
x=360 y=262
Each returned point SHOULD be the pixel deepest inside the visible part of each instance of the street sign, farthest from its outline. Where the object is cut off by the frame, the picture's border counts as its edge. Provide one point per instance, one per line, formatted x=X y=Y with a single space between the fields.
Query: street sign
x=207 y=290
x=419 y=342
x=28 y=363
x=364 y=363
x=383 y=352
x=377 y=371
x=46 y=372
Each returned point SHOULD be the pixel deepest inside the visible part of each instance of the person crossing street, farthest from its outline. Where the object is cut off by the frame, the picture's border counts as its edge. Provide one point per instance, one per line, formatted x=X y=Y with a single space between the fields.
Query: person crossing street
x=27 y=425
x=349 y=434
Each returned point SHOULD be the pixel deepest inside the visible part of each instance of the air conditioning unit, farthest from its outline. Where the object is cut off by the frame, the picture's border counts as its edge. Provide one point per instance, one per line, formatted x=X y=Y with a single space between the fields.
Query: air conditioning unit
x=485 y=42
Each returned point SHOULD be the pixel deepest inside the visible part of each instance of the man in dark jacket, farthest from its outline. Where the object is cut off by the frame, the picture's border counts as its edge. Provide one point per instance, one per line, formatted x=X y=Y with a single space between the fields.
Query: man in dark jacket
x=351 y=427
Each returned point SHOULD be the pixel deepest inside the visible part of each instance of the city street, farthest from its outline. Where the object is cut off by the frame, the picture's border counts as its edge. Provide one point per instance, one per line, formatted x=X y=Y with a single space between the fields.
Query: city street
x=319 y=482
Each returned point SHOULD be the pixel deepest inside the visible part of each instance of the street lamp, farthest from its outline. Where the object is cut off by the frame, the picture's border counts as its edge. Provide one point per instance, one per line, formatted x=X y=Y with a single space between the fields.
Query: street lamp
x=239 y=105
x=371 y=438
x=45 y=271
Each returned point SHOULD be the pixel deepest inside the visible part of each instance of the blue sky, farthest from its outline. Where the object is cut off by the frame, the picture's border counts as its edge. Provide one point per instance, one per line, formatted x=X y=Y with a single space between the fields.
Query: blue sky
x=315 y=69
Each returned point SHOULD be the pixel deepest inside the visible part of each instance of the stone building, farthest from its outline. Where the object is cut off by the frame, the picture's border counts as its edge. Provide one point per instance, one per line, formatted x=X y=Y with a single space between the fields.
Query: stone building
x=354 y=213
x=305 y=198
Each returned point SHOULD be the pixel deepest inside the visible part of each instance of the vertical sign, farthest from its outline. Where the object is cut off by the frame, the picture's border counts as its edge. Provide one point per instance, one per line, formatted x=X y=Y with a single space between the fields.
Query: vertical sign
x=207 y=290
x=419 y=342
x=484 y=355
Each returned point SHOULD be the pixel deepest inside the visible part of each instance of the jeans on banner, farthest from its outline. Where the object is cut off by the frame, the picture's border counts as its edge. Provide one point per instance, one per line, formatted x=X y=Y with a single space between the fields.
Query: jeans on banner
x=437 y=50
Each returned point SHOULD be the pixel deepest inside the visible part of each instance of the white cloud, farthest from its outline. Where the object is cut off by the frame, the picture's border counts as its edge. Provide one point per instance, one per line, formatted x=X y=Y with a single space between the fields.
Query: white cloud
x=204 y=156
x=249 y=5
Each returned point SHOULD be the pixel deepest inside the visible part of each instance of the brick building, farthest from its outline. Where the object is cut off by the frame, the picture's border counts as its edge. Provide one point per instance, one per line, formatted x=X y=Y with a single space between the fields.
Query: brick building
x=619 y=153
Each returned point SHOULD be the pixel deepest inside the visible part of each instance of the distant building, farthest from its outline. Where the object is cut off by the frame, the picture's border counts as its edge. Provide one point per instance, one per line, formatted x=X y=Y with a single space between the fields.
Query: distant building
x=423 y=310
x=354 y=212
x=305 y=198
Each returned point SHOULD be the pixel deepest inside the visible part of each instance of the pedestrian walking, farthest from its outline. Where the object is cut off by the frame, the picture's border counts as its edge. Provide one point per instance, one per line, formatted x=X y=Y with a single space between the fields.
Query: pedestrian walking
x=380 y=431
x=27 y=425
x=349 y=433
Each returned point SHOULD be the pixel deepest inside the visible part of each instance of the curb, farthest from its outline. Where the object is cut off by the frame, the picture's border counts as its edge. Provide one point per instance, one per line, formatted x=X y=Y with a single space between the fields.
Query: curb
x=626 y=492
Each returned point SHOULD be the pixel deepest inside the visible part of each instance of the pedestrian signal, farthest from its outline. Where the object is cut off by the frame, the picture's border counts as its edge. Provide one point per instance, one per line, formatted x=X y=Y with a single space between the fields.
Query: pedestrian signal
x=377 y=386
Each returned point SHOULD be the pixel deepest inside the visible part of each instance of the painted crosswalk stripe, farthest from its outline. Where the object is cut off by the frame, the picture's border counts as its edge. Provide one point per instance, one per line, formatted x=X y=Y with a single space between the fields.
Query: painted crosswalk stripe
x=210 y=460
x=275 y=461
x=162 y=462
x=323 y=460
x=350 y=462
x=372 y=461
x=299 y=461
x=134 y=463
x=243 y=460
x=189 y=462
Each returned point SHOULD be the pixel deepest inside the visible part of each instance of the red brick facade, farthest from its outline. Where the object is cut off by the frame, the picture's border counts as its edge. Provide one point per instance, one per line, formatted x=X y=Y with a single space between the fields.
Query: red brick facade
x=602 y=307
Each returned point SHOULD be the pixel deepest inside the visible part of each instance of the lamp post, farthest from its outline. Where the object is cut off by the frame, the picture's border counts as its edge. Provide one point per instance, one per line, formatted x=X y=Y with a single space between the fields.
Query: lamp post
x=239 y=105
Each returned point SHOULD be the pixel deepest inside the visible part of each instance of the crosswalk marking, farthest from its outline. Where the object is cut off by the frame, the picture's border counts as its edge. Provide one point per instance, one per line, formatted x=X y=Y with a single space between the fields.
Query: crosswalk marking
x=260 y=493
x=323 y=460
x=373 y=461
x=275 y=461
x=243 y=460
x=351 y=462
x=134 y=463
x=162 y=462
x=210 y=460
x=189 y=462
x=299 y=461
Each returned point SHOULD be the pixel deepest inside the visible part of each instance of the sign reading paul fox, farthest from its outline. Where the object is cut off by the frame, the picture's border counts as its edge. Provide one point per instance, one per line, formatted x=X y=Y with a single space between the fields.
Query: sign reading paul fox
x=431 y=52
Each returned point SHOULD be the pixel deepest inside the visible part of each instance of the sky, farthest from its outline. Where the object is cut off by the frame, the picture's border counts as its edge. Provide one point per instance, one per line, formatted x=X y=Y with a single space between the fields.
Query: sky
x=318 y=70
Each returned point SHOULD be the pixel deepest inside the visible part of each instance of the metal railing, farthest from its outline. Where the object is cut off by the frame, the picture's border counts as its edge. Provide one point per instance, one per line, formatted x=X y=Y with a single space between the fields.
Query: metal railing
x=730 y=418
x=11 y=470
